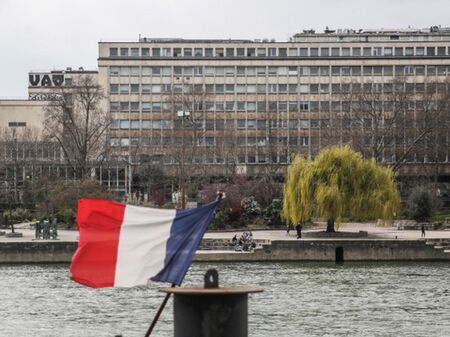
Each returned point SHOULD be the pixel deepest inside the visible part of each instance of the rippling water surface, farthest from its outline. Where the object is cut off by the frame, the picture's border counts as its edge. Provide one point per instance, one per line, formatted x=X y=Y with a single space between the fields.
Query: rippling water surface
x=401 y=299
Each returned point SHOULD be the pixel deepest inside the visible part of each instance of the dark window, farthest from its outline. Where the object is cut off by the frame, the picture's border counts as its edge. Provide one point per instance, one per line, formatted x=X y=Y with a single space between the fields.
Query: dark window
x=176 y=52
x=113 y=52
x=219 y=52
x=198 y=52
x=208 y=52
x=134 y=51
x=114 y=88
x=398 y=51
x=156 y=52
x=17 y=124
x=230 y=52
x=187 y=52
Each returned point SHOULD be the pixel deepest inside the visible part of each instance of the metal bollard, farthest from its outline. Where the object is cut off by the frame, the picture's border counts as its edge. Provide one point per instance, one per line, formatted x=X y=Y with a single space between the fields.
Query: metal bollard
x=211 y=311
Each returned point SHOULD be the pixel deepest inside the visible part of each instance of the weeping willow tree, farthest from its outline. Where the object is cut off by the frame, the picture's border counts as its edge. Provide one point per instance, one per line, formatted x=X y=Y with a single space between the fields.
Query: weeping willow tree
x=338 y=182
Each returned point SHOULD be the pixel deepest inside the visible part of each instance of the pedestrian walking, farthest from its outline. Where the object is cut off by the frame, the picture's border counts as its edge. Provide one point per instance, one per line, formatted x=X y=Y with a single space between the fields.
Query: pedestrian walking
x=288 y=229
x=37 y=230
x=422 y=228
x=298 y=228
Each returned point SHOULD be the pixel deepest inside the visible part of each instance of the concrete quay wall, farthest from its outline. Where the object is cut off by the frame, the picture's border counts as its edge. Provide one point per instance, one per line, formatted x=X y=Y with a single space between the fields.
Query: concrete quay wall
x=289 y=250
x=325 y=250
x=36 y=251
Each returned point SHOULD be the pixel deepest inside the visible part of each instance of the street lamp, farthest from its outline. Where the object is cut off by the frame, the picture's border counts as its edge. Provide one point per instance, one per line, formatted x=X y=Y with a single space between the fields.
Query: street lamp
x=128 y=173
x=184 y=115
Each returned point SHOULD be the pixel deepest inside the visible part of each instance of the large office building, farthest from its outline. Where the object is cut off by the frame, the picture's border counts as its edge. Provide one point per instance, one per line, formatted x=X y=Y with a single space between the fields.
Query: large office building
x=255 y=103
x=248 y=106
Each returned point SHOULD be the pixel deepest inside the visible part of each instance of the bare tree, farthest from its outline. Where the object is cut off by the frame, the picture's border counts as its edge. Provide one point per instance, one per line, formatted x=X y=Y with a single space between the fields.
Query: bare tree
x=79 y=123
x=188 y=150
x=435 y=117
x=18 y=158
x=388 y=122
x=226 y=148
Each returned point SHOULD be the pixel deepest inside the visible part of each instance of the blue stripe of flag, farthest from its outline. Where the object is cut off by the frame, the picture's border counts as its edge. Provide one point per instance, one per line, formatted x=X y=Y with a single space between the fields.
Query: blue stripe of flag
x=186 y=233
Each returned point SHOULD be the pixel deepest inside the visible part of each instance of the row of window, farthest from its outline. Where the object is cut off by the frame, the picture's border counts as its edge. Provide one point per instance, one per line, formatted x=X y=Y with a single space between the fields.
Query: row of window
x=252 y=124
x=260 y=106
x=279 y=52
x=208 y=159
x=219 y=124
x=247 y=124
x=265 y=141
x=29 y=150
x=17 y=124
x=280 y=71
x=272 y=88
x=144 y=124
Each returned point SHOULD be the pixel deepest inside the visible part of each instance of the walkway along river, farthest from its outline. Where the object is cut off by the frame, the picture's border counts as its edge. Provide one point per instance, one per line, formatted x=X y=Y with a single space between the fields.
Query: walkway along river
x=301 y=299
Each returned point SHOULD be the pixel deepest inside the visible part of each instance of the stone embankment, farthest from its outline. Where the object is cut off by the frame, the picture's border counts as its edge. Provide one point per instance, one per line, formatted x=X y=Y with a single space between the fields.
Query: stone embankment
x=339 y=249
x=36 y=251
x=289 y=250
x=382 y=244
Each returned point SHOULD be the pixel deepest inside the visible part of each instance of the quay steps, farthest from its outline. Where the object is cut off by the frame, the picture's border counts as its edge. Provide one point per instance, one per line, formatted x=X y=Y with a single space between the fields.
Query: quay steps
x=224 y=244
x=439 y=244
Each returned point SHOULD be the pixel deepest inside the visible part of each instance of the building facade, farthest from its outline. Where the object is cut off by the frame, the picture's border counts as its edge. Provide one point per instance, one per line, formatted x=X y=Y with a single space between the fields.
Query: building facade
x=27 y=154
x=263 y=101
x=216 y=107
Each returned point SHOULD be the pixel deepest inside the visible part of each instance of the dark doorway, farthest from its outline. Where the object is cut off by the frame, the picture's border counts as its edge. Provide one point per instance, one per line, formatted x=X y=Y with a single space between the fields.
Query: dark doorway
x=339 y=254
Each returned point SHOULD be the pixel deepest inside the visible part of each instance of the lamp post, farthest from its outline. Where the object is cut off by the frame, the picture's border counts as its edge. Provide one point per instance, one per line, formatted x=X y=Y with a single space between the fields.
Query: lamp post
x=184 y=115
x=127 y=174
x=130 y=176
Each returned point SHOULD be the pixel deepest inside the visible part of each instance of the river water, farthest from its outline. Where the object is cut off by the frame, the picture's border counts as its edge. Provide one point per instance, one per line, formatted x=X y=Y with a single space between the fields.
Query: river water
x=300 y=299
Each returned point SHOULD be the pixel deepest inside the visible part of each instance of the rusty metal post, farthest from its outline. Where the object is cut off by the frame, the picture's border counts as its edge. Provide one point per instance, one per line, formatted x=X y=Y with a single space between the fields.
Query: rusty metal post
x=211 y=311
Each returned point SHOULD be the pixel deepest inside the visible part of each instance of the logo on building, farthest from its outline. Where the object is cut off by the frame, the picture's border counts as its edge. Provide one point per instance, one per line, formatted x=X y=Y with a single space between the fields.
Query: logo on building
x=45 y=97
x=45 y=80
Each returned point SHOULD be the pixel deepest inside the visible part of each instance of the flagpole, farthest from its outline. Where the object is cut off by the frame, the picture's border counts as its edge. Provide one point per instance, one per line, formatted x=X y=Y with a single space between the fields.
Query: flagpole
x=158 y=313
x=220 y=196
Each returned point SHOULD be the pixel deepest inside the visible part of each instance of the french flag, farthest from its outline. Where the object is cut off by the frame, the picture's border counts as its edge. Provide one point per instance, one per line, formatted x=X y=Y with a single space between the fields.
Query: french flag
x=123 y=246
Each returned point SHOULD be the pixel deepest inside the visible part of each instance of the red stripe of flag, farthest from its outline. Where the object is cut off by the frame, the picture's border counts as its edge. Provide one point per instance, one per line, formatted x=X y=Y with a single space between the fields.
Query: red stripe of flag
x=99 y=223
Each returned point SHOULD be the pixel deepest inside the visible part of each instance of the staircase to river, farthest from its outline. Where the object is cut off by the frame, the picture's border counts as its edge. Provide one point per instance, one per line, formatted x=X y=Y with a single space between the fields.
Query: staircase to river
x=440 y=244
x=224 y=244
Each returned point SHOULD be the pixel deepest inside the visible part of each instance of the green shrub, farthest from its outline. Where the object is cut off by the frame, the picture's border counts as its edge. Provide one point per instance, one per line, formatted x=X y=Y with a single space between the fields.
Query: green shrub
x=251 y=207
x=422 y=203
x=18 y=214
x=272 y=215
x=67 y=216
x=220 y=220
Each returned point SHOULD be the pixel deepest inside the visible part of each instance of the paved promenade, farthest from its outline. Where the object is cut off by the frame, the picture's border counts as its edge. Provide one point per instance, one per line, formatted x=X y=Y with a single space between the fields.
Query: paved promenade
x=374 y=232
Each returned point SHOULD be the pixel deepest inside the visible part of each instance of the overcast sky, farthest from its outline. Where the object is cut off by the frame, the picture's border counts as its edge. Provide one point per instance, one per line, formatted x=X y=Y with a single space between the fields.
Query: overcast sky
x=54 y=34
